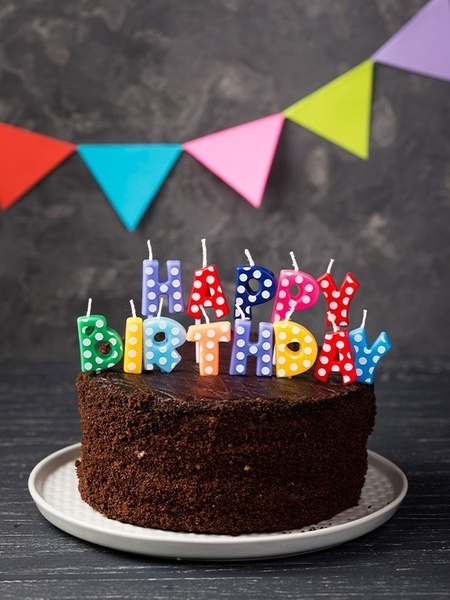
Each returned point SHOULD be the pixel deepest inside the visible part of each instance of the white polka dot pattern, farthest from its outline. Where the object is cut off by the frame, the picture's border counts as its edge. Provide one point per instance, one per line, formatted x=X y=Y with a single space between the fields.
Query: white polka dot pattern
x=338 y=300
x=367 y=357
x=208 y=336
x=289 y=362
x=243 y=348
x=162 y=352
x=246 y=297
x=93 y=334
x=207 y=291
x=153 y=288
x=285 y=300
x=336 y=357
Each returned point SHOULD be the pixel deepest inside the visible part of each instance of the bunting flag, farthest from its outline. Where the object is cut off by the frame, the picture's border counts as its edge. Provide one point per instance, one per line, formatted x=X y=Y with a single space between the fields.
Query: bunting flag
x=340 y=111
x=422 y=45
x=26 y=158
x=130 y=175
x=241 y=156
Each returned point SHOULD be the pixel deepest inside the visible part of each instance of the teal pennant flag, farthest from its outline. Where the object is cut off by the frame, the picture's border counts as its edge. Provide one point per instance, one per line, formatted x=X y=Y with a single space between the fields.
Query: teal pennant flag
x=130 y=175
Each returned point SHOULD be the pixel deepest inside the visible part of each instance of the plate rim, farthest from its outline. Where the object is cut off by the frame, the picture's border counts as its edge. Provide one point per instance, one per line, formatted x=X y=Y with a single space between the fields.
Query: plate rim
x=43 y=469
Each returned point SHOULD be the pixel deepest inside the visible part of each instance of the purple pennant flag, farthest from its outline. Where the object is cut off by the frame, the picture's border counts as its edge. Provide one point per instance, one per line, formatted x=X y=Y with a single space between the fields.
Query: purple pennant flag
x=422 y=45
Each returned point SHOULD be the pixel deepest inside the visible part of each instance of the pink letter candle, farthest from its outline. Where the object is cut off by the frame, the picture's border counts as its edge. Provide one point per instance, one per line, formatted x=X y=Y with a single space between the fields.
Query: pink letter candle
x=246 y=298
x=338 y=300
x=153 y=288
x=288 y=361
x=208 y=336
x=132 y=356
x=243 y=348
x=100 y=346
x=367 y=357
x=285 y=300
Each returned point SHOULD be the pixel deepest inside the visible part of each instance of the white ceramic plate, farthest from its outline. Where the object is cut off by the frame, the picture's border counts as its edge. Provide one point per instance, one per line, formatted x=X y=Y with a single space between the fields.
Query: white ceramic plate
x=53 y=486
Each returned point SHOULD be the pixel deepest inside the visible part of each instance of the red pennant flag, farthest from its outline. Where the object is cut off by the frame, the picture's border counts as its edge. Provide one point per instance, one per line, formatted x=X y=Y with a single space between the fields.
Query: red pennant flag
x=26 y=158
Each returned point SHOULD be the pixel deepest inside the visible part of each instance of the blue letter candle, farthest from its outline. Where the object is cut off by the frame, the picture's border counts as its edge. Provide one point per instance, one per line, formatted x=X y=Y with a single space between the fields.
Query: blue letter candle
x=162 y=352
x=367 y=357
x=243 y=348
x=246 y=298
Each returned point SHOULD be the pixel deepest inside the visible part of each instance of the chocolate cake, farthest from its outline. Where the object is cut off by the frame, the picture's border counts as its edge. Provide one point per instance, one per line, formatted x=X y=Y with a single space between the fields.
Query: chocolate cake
x=224 y=454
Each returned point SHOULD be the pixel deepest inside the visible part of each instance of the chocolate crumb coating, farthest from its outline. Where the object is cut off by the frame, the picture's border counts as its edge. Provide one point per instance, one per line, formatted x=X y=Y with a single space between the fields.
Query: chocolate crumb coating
x=224 y=454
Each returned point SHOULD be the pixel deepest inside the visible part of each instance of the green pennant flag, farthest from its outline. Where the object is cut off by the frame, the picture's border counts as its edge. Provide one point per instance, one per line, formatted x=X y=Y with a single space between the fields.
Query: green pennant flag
x=340 y=111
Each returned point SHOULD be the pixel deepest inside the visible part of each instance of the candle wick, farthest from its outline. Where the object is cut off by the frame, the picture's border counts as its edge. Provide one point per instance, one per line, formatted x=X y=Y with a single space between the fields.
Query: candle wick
x=330 y=264
x=251 y=262
x=294 y=261
x=133 y=308
x=89 y=307
x=205 y=315
x=333 y=321
x=205 y=262
x=150 y=251
x=161 y=302
x=240 y=311
x=291 y=310
x=363 y=322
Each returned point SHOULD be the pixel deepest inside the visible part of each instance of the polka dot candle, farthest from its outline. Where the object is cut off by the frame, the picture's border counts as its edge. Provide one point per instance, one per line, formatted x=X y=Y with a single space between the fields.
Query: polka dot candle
x=336 y=357
x=367 y=357
x=100 y=346
x=207 y=292
x=338 y=300
x=208 y=336
x=153 y=288
x=246 y=298
x=161 y=338
x=132 y=356
x=289 y=361
x=287 y=299
x=243 y=348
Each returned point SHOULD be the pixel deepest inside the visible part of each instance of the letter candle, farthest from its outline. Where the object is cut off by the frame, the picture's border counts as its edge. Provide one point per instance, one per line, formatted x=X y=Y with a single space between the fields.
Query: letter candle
x=153 y=288
x=246 y=297
x=100 y=346
x=367 y=357
x=208 y=335
x=306 y=297
x=132 y=356
x=336 y=355
x=162 y=352
x=290 y=362
x=338 y=300
x=243 y=348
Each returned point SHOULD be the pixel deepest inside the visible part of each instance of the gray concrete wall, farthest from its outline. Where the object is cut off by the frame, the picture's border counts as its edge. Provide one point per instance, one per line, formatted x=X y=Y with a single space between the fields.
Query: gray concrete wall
x=169 y=71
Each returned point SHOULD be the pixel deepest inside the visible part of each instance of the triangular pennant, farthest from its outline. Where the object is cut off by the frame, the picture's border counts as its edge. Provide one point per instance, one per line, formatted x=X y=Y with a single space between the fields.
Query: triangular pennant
x=130 y=175
x=241 y=156
x=340 y=111
x=26 y=157
x=422 y=45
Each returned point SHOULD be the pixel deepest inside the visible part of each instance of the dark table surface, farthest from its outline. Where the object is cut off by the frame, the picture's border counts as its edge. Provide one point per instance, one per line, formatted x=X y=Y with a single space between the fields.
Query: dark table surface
x=405 y=558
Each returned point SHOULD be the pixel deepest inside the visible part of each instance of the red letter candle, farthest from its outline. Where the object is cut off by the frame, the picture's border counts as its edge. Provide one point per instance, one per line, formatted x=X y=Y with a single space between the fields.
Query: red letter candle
x=336 y=356
x=100 y=346
x=338 y=300
x=285 y=301
x=246 y=297
x=367 y=357
x=153 y=288
x=243 y=348
x=207 y=291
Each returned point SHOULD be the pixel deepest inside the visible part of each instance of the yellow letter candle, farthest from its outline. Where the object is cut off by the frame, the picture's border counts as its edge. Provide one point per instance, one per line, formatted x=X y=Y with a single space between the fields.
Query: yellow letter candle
x=290 y=362
x=132 y=357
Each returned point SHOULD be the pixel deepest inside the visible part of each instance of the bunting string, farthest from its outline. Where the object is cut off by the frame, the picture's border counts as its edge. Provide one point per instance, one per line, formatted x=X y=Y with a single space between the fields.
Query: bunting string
x=130 y=175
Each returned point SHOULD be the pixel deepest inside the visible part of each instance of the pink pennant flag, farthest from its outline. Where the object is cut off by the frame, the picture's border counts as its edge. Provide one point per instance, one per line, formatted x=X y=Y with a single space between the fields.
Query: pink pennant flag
x=241 y=156
x=422 y=45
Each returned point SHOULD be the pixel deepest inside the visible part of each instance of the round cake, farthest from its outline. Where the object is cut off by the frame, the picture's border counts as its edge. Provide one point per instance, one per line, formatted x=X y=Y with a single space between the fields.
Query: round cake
x=223 y=454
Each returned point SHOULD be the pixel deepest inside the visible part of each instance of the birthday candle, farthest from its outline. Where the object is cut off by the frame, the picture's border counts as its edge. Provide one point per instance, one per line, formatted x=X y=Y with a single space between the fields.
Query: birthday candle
x=207 y=291
x=288 y=361
x=336 y=355
x=338 y=300
x=132 y=357
x=285 y=300
x=246 y=297
x=153 y=288
x=367 y=357
x=243 y=348
x=100 y=346
x=207 y=336
x=161 y=338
